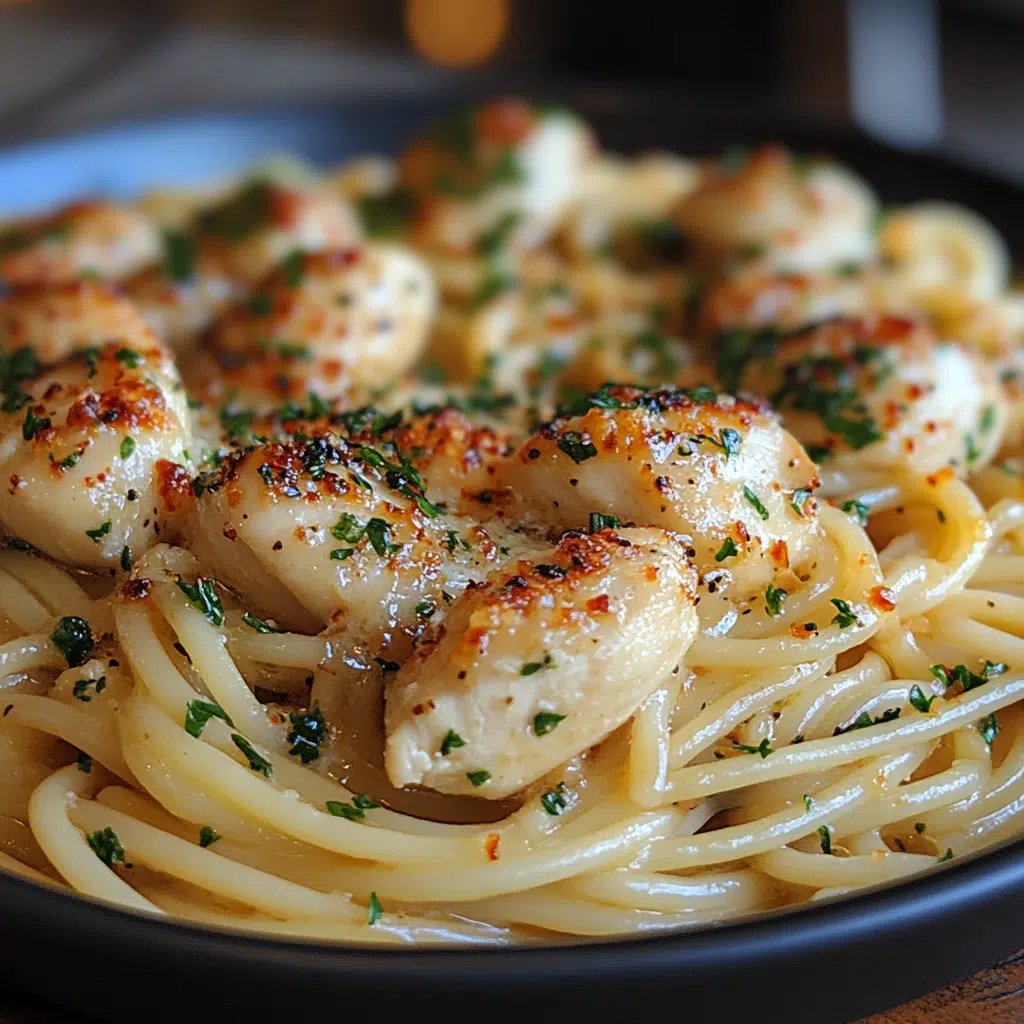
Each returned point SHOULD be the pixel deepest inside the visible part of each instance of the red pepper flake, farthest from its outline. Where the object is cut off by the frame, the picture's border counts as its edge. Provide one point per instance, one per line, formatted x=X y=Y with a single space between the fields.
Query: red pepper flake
x=174 y=485
x=491 y=845
x=599 y=605
x=779 y=554
x=882 y=598
x=942 y=476
x=135 y=590
x=801 y=631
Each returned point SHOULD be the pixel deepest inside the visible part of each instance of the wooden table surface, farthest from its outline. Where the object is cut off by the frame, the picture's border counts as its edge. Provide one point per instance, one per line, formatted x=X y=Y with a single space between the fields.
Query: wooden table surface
x=995 y=996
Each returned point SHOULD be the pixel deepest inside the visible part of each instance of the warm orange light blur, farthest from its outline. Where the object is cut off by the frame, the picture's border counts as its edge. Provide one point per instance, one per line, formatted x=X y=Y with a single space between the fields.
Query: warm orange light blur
x=456 y=33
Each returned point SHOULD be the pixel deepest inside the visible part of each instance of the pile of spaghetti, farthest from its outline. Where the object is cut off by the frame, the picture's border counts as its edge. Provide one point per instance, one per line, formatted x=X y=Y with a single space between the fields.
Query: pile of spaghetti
x=508 y=543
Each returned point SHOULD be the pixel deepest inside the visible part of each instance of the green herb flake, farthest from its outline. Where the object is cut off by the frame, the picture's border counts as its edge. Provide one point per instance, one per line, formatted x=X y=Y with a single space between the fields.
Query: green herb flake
x=844 y=614
x=80 y=690
x=554 y=800
x=203 y=595
x=727 y=550
x=773 y=598
x=375 y=910
x=258 y=624
x=857 y=508
x=207 y=836
x=808 y=803
x=84 y=762
x=826 y=839
x=479 y=777
x=128 y=357
x=919 y=827
x=545 y=721
x=755 y=501
x=988 y=419
x=199 y=712
x=451 y=741
x=764 y=748
x=73 y=638
x=918 y=700
x=105 y=844
x=100 y=532
x=180 y=252
x=308 y=731
x=799 y=500
x=257 y=762
x=948 y=855
x=126 y=558
x=33 y=424
x=573 y=444
x=989 y=728
x=529 y=668
x=599 y=521
x=293 y=268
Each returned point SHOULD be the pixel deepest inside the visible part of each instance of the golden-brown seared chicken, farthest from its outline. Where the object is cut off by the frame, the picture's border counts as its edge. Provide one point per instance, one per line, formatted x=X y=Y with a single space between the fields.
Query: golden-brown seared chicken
x=91 y=451
x=334 y=530
x=87 y=239
x=719 y=472
x=250 y=231
x=540 y=662
x=792 y=214
x=882 y=395
x=500 y=175
x=322 y=323
x=69 y=318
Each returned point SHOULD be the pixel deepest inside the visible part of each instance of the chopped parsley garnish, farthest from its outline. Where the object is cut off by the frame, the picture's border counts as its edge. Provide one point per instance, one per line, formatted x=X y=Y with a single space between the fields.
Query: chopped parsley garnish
x=258 y=624
x=375 y=910
x=764 y=748
x=84 y=762
x=988 y=419
x=755 y=501
x=989 y=728
x=530 y=667
x=348 y=529
x=293 y=268
x=736 y=349
x=451 y=741
x=968 y=680
x=203 y=595
x=799 y=500
x=207 y=836
x=260 y=305
x=554 y=800
x=918 y=700
x=578 y=449
x=16 y=368
x=865 y=721
x=479 y=777
x=199 y=712
x=355 y=811
x=379 y=534
x=308 y=731
x=126 y=558
x=73 y=638
x=100 y=532
x=773 y=598
x=180 y=251
x=386 y=215
x=808 y=803
x=845 y=616
x=240 y=214
x=491 y=241
x=857 y=508
x=127 y=447
x=545 y=721
x=948 y=855
x=257 y=762
x=80 y=690
x=107 y=847
x=425 y=609
x=599 y=521
x=33 y=424
x=919 y=827
x=493 y=285
x=727 y=550
x=128 y=357
x=826 y=839
x=730 y=442
x=972 y=450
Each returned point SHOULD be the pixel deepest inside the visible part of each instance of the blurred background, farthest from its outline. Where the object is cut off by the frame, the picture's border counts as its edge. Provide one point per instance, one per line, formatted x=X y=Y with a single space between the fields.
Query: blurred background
x=938 y=75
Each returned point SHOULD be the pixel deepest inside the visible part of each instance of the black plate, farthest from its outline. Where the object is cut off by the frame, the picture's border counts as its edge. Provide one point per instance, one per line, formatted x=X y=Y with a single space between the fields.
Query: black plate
x=830 y=962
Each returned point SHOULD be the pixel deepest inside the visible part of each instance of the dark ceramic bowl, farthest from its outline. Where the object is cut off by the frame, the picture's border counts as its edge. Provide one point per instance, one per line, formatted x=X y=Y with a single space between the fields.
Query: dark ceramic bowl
x=830 y=962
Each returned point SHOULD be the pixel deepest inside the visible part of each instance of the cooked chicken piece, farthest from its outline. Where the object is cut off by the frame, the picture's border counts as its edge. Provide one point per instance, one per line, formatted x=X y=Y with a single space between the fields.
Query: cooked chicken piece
x=87 y=239
x=496 y=177
x=322 y=323
x=719 y=472
x=259 y=224
x=70 y=318
x=540 y=662
x=879 y=396
x=91 y=451
x=330 y=530
x=792 y=214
